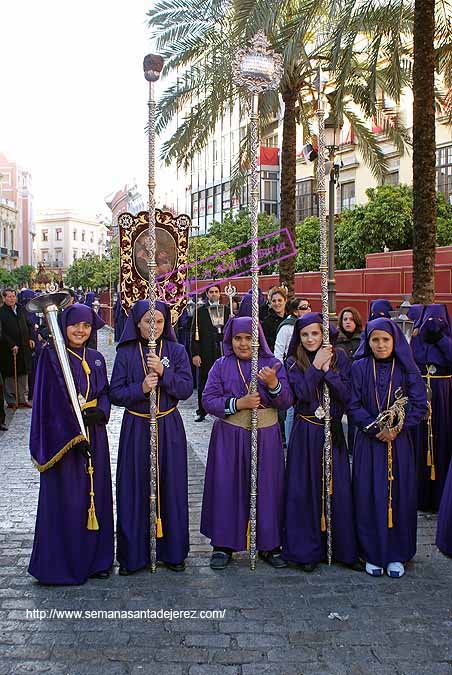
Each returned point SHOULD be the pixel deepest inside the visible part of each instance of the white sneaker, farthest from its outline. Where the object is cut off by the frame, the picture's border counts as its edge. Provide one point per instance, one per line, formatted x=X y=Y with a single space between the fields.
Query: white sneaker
x=373 y=570
x=395 y=570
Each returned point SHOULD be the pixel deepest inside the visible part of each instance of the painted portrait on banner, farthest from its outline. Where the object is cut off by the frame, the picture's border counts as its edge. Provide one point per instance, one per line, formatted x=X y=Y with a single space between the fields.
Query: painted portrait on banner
x=165 y=254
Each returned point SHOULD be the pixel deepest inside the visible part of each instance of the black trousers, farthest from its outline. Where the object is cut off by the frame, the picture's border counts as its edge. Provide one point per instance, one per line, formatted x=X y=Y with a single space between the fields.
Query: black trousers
x=202 y=379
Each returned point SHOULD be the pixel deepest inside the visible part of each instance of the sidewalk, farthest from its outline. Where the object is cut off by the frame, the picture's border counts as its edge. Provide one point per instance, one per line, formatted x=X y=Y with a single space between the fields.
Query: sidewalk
x=274 y=623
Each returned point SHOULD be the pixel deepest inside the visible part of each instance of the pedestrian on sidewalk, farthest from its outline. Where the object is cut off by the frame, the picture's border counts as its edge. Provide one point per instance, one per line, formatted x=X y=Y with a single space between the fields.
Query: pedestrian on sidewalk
x=74 y=524
x=135 y=373
x=15 y=350
x=226 y=500
x=384 y=465
x=310 y=366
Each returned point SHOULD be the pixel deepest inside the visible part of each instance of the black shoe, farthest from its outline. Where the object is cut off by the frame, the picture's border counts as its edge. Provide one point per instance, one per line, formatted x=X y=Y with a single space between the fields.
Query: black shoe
x=200 y=418
x=100 y=575
x=273 y=558
x=124 y=572
x=219 y=560
x=3 y=428
x=308 y=567
x=178 y=567
x=357 y=566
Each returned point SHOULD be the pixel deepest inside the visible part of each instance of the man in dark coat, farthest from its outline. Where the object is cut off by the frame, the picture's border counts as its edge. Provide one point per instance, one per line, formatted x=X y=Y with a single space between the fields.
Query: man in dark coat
x=17 y=334
x=3 y=426
x=208 y=348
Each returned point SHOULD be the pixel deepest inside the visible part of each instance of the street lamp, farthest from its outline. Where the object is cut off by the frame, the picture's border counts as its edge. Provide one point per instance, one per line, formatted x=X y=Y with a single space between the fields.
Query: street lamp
x=400 y=317
x=152 y=67
x=332 y=133
x=255 y=69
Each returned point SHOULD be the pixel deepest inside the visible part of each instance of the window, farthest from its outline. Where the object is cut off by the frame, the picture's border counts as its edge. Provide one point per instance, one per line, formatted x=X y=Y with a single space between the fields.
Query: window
x=45 y=235
x=59 y=234
x=270 y=209
x=226 y=196
x=74 y=235
x=83 y=235
x=92 y=238
x=305 y=200
x=444 y=172
x=217 y=199
x=195 y=205
x=271 y=141
x=202 y=203
x=391 y=178
x=347 y=195
x=74 y=254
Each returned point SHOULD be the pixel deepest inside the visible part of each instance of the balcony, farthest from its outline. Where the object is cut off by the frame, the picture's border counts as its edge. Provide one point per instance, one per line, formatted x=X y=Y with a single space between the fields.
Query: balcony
x=3 y=252
x=13 y=253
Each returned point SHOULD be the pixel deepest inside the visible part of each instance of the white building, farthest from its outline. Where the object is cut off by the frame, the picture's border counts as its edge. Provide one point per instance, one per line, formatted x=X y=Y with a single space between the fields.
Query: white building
x=63 y=235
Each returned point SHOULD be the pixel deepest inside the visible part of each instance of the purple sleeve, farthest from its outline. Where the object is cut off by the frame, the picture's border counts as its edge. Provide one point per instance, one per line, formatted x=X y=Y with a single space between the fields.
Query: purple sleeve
x=339 y=381
x=445 y=346
x=177 y=379
x=359 y=414
x=284 y=399
x=214 y=398
x=417 y=403
x=123 y=392
x=304 y=385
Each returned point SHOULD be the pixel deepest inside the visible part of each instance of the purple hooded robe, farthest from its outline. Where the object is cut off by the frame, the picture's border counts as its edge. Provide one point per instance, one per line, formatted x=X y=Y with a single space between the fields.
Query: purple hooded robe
x=226 y=499
x=64 y=550
x=444 y=532
x=432 y=346
x=305 y=540
x=378 y=543
x=132 y=483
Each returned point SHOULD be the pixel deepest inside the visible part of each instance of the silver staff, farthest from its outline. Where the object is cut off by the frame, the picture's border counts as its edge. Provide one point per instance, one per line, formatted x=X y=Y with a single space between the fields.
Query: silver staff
x=256 y=69
x=152 y=66
x=326 y=411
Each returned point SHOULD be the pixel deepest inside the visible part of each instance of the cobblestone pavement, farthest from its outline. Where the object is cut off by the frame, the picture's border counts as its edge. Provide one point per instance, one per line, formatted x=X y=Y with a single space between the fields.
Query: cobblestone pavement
x=273 y=623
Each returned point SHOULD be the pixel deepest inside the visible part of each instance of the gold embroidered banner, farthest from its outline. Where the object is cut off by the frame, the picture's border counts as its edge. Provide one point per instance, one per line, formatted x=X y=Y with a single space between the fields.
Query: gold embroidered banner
x=171 y=256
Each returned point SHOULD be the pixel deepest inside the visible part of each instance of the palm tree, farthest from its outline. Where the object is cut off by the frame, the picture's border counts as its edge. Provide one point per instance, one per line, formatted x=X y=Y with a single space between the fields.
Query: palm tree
x=198 y=40
x=432 y=52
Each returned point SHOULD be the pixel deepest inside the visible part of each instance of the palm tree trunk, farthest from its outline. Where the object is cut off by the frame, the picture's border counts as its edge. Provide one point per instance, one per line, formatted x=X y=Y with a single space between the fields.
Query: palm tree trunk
x=424 y=154
x=288 y=182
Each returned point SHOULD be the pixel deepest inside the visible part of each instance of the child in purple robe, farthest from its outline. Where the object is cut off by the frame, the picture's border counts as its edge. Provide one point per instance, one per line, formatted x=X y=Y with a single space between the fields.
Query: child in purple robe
x=74 y=524
x=384 y=466
x=309 y=366
x=135 y=372
x=432 y=350
x=226 y=500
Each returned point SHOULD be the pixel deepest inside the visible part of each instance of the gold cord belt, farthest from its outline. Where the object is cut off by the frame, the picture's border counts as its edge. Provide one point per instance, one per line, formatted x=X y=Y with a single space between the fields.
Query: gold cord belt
x=266 y=417
x=430 y=445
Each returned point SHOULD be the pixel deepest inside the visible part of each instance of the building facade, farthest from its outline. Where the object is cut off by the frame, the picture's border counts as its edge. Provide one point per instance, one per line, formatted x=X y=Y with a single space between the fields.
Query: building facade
x=9 y=255
x=127 y=199
x=208 y=184
x=16 y=189
x=64 y=235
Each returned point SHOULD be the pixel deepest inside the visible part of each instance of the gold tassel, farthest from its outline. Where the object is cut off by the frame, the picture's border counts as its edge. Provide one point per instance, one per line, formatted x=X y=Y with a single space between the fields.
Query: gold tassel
x=248 y=536
x=159 y=528
x=86 y=367
x=322 y=524
x=390 y=522
x=432 y=472
x=330 y=487
x=92 y=523
x=429 y=458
